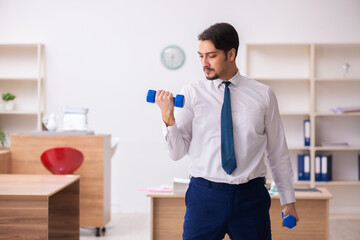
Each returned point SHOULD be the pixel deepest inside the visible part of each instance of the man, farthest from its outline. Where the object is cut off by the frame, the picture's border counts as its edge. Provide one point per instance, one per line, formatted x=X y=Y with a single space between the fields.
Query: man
x=225 y=138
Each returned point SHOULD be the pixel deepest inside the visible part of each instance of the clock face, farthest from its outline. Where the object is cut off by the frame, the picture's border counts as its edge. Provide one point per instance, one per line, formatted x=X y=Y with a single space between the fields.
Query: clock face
x=172 y=57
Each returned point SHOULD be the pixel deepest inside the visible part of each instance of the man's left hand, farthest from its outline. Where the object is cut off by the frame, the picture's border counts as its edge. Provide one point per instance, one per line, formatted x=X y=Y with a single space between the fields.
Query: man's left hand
x=290 y=209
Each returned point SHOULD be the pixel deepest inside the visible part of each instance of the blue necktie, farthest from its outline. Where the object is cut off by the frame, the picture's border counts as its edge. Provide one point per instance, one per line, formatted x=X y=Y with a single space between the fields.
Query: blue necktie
x=227 y=138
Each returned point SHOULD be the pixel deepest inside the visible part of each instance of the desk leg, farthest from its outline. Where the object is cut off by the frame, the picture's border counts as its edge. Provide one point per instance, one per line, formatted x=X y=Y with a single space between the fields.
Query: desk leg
x=152 y=219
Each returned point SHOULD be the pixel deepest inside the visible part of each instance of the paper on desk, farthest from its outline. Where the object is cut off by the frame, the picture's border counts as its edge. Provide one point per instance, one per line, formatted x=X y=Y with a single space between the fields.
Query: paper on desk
x=180 y=185
x=157 y=189
x=307 y=190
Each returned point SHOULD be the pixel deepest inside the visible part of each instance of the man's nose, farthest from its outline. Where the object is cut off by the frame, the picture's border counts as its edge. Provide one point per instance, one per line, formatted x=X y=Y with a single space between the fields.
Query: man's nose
x=205 y=62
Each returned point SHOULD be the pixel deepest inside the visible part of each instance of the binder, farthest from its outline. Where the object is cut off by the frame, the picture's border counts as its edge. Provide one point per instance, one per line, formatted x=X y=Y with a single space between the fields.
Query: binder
x=326 y=168
x=330 y=168
x=318 y=168
x=300 y=167
x=307 y=133
x=307 y=167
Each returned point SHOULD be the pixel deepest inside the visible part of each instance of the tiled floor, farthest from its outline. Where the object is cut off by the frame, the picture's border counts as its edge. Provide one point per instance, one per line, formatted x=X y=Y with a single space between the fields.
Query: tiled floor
x=137 y=227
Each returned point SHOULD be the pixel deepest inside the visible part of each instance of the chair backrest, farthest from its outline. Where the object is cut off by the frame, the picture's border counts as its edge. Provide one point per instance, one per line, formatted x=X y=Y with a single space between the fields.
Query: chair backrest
x=62 y=160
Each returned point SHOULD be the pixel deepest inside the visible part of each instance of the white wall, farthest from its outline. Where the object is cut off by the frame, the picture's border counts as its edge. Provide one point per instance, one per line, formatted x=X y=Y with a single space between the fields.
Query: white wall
x=104 y=54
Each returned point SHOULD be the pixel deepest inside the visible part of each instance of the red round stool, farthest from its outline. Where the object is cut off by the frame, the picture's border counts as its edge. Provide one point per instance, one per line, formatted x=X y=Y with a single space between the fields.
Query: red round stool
x=62 y=160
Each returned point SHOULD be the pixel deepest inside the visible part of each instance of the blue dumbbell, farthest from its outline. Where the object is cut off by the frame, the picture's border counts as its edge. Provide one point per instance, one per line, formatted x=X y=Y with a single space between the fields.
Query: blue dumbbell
x=178 y=100
x=289 y=220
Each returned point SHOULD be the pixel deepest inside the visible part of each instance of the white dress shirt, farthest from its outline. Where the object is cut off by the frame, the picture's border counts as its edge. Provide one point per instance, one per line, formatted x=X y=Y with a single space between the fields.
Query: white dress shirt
x=257 y=128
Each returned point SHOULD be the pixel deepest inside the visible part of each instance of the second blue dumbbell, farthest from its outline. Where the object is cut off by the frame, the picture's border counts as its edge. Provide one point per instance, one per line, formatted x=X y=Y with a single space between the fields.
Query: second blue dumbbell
x=289 y=220
x=178 y=100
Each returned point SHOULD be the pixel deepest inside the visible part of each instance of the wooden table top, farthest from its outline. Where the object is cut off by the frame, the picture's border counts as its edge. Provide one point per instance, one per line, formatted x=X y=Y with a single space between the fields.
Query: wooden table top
x=323 y=194
x=2 y=151
x=37 y=186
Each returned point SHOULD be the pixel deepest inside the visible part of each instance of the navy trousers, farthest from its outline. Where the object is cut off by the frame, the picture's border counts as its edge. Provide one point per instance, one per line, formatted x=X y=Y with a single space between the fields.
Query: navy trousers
x=214 y=209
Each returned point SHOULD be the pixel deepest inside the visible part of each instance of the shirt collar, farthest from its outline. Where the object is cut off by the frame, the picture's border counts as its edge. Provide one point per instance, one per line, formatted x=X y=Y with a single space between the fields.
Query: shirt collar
x=234 y=80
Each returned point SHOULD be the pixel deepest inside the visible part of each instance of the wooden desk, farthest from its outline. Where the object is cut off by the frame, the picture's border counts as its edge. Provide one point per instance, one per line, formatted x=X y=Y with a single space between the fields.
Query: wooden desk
x=5 y=161
x=94 y=172
x=39 y=207
x=168 y=211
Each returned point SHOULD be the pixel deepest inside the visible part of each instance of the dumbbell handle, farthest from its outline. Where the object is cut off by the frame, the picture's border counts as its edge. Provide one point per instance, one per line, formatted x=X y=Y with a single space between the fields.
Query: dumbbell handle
x=178 y=100
x=289 y=220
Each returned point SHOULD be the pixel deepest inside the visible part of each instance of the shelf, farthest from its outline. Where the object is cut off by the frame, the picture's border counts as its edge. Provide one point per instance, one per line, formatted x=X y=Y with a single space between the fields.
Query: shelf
x=294 y=148
x=22 y=72
x=277 y=44
x=294 y=114
x=330 y=114
x=331 y=61
x=341 y=148
x=18 y=112
x=333 y=94
x=12 y=45
x=309 y=81
x=329 y=183
x=278 y=61
x=337 y=80
x=338 y=183
x=18 y=78
x=288 y=80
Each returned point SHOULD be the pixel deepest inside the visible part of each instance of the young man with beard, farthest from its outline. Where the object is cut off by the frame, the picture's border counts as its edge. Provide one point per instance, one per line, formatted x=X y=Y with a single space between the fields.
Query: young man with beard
x=227 y=123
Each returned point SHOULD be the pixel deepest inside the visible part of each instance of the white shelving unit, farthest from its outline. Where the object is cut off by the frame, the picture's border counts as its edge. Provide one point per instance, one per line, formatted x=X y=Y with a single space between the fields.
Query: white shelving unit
x=22 y=69
x=309 y=80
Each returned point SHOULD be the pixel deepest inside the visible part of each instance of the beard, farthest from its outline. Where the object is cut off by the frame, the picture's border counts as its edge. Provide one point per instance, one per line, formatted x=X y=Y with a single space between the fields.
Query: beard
x=211 y=78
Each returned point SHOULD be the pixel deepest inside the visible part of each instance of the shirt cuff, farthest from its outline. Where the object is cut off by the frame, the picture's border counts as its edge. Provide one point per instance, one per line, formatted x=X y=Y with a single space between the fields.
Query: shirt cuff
x=287 y=197
x=169 y=130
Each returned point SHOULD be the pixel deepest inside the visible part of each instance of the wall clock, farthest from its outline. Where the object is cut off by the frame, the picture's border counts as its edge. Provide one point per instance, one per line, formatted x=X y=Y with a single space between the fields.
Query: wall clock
x=172 y=57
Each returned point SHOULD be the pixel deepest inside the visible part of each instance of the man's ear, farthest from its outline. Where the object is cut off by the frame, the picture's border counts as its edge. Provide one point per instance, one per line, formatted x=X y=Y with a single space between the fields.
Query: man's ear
x=231 y=55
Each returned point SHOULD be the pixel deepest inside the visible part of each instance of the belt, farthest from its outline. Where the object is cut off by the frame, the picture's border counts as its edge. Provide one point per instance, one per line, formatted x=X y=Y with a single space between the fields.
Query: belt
x=226 y=186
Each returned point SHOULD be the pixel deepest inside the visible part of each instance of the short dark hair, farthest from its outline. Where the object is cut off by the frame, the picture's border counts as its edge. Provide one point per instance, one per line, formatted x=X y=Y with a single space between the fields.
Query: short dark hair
x=222 y=35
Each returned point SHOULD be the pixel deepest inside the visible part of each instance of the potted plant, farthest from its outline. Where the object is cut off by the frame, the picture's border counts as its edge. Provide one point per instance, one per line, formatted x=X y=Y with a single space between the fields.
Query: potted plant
x=8 y=101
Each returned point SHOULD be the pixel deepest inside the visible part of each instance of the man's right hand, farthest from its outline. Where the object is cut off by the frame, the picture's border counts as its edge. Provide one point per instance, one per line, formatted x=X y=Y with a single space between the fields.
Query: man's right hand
x=165 y=102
